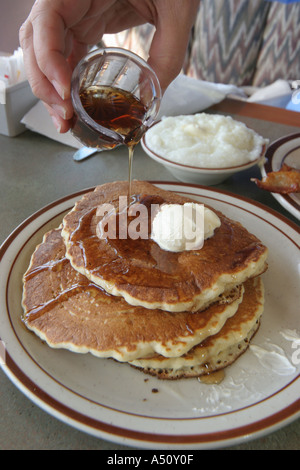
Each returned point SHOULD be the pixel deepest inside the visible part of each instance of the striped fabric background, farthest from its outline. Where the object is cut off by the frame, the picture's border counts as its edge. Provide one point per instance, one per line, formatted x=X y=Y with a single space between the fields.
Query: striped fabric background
x=280 y=52
x=244 y=42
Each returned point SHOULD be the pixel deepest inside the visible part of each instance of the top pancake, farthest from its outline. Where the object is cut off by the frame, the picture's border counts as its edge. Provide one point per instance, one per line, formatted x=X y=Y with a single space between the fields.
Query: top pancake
x=144 y=274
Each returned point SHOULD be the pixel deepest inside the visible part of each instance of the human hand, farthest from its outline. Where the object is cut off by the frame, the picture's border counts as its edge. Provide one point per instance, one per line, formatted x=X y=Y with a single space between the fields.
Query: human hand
x=57 y=33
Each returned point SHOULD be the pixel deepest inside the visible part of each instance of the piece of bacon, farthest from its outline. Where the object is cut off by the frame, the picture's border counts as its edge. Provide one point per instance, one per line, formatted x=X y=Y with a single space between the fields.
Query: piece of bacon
x=284 y=181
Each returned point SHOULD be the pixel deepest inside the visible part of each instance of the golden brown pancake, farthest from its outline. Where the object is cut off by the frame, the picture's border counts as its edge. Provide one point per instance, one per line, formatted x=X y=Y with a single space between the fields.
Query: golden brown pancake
x=219 y=350
x=68 y=311
x=143 y=273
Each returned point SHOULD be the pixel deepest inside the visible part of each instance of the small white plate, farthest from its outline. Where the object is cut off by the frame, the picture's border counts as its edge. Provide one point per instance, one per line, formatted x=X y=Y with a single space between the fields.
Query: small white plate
x=284 y=150
x=260 y=392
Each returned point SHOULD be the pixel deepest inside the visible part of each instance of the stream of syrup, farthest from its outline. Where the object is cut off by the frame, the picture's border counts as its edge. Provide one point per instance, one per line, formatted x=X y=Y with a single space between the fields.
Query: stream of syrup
x=117 y=110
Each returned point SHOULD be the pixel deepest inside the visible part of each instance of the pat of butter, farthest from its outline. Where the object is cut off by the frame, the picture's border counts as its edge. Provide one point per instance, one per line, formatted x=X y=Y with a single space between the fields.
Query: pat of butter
x=178 y=227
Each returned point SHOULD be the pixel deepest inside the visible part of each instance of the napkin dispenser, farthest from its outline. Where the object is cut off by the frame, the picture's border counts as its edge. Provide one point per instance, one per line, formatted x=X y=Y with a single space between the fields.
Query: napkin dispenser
x=15 y=102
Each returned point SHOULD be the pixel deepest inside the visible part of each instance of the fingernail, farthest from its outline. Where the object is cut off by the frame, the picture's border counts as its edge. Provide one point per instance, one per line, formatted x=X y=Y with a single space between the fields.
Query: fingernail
x=60 y=110
x=60 y=90
x=56 y=123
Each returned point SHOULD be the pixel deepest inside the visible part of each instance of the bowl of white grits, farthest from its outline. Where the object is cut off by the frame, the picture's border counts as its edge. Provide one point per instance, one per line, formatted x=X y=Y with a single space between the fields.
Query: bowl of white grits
x=203 y=148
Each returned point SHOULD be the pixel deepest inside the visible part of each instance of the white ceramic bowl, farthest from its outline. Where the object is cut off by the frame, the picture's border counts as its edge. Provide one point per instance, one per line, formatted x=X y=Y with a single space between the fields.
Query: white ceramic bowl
x=194 y=174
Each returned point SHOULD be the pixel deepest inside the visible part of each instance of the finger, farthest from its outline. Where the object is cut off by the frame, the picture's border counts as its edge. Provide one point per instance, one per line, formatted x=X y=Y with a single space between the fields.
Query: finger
x=50 y=42
x=78 y=51
x=169 y=44
x=61 y=125
x=39 y=83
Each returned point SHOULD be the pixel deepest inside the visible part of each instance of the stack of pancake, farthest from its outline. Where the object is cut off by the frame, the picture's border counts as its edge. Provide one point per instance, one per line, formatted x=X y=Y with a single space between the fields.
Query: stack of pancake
x=168 y=314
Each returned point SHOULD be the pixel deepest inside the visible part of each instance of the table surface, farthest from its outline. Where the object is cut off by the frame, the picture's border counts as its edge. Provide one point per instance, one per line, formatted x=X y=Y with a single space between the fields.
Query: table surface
x=36 y=171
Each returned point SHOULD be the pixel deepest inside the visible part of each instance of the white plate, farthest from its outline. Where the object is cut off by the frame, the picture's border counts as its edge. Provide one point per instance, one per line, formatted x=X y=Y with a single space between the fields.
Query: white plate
x=116 y=402
x=285 y=149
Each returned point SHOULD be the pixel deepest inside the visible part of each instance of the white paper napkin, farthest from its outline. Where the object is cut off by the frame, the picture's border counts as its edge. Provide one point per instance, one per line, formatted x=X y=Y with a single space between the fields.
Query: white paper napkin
x=276 y=94
x=12 y=67
x=38 y=120
x=187 y=95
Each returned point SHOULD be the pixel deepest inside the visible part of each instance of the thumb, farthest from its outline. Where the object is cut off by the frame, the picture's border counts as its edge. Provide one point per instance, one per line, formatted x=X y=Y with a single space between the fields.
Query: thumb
x=171 y=38
x=78 y=51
